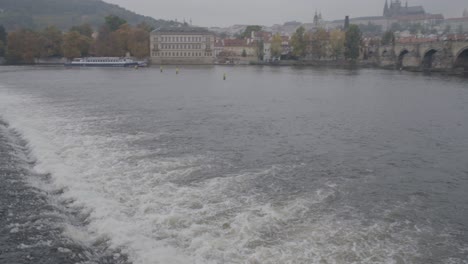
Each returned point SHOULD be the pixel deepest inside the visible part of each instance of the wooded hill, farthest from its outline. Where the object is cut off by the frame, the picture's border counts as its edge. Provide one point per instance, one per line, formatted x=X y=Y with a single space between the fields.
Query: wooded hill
x=38 y=14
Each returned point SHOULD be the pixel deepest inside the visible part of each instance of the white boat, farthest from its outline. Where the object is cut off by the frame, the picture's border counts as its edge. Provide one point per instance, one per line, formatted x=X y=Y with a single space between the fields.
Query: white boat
x=106 y=62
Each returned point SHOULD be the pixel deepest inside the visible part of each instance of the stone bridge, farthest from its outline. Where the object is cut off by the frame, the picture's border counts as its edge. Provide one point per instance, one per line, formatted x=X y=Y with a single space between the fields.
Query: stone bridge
x=445 y=56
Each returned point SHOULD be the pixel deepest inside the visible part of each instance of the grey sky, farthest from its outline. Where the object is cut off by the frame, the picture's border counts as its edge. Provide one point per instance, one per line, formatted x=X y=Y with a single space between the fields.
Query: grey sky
x=269 y=12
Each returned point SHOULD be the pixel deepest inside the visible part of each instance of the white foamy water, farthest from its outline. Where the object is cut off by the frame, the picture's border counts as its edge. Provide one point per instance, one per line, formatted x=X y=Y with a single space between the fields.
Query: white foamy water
x=140 y=202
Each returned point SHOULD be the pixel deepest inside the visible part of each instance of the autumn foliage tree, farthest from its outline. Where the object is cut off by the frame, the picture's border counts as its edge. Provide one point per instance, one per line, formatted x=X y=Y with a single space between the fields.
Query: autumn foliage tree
x=23 y=46
x=337 y=43
x=138 y=44
x=124 y=40
x=51 y=39
x=76 y=45
x=114 y=39
x=84 y=29
x=276 y=46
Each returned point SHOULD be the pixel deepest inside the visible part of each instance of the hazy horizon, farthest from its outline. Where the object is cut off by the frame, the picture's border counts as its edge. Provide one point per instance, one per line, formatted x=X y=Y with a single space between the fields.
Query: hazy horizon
x=213 y=13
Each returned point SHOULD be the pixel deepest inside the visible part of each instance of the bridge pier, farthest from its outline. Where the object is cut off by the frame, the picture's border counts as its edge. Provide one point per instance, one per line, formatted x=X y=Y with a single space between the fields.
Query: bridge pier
x=460 y=64
x=442 y=56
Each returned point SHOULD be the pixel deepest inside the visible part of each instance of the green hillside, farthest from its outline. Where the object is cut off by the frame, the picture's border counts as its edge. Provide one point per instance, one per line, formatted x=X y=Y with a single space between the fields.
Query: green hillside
x=37 y=14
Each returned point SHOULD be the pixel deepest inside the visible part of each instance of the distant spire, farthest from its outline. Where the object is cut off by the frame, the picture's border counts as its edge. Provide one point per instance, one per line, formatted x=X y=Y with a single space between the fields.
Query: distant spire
x=316 y=18
x=406 y=5
x=385 y=11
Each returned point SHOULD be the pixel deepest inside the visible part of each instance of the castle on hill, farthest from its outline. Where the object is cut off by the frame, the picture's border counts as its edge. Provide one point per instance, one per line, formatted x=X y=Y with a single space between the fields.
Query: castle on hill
x=396 y=9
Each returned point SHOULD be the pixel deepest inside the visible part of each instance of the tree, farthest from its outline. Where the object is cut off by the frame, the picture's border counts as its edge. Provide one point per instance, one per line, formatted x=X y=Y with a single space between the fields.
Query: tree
x=138 y=44
x=352 y=42
x=3 y=34
x=75 y=45
x=126 y=39
x=337 y=43
x=84 y=29
x=388 y=38
x=23 y=46
x=51 y=42
x=260 y=50
x=114 y=22
x=104 y=46
x=276 y=46
x=319 y=43
x=143 y=25
x=249 y=29
x=396 y=27
x=298 y=42
x=132 y=40
x=3 y=40
x=2 y=49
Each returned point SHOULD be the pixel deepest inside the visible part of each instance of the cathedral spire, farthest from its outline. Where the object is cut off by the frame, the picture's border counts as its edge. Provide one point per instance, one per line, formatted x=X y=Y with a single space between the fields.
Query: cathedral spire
x=316 y=18
x=385 y=11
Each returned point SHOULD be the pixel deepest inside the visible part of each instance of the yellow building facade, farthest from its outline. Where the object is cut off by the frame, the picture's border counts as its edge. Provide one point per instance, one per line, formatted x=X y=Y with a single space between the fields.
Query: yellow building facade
x=182 y=45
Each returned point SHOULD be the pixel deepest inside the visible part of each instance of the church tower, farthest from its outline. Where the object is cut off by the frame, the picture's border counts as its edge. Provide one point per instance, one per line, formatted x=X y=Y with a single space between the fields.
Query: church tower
x=385 y=10
x=316 y=19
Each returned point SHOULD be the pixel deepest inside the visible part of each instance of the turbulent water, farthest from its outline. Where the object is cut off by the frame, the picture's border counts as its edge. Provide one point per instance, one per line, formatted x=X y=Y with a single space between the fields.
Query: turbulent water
x=273 y=165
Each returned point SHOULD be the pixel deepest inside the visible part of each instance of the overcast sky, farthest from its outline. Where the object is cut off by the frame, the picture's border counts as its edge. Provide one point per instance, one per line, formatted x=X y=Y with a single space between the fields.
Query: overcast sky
x=269 y=12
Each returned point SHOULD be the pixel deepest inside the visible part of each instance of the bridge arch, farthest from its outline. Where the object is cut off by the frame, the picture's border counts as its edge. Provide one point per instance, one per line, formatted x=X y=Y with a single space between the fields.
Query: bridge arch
x=461 y=60
x=401 y=57
x=428 y=59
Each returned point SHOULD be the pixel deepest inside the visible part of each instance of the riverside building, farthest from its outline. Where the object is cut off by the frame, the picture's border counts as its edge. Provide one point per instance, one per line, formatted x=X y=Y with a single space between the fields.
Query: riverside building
x=182 y=45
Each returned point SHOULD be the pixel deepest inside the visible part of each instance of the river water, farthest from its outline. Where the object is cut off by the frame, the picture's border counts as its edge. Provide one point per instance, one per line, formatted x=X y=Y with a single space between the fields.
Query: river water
x=272 y=165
